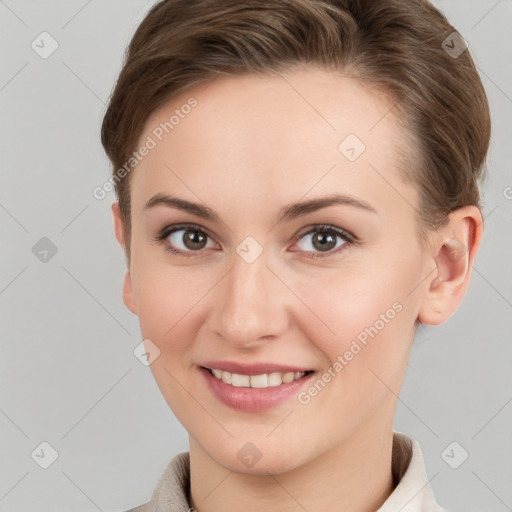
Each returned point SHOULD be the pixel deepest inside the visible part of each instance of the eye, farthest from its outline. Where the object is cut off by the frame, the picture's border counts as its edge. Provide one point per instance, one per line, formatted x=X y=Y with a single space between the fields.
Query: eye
x=189 y=240
x=185 y=239
x=324 y=240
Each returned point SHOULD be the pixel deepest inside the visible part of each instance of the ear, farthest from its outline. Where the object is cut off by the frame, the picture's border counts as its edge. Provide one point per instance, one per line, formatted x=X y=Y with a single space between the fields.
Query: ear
x=118 y=225
x=453 y=250
x=128 y=295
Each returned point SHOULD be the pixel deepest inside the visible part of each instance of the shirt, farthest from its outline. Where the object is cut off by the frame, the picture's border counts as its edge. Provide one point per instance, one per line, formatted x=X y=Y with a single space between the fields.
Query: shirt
x=411 y=494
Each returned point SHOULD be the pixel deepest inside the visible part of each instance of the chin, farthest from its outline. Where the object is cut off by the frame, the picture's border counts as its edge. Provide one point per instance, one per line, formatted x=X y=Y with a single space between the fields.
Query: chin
x=257 y=458
x=273 y=465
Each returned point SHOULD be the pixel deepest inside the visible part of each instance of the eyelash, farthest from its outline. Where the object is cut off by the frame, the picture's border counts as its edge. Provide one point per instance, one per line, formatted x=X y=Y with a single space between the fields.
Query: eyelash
x=347 y=237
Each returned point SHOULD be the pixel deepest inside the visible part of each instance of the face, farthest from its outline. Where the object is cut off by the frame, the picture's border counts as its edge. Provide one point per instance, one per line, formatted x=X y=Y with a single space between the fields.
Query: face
x=326 y=294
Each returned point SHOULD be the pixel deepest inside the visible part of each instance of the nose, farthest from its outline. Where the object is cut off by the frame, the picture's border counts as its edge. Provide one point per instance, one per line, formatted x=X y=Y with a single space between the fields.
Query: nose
x=250 y=305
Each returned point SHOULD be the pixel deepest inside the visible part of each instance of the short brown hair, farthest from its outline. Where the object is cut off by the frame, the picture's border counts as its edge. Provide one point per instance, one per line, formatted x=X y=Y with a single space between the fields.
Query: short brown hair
x=394 y=45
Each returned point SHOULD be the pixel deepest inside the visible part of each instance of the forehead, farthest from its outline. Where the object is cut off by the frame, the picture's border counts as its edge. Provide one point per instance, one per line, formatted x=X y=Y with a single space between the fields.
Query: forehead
x=271 y=133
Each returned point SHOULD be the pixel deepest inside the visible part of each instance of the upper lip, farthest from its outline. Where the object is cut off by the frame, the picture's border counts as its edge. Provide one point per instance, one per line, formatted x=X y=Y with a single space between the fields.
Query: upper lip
x=252 y=369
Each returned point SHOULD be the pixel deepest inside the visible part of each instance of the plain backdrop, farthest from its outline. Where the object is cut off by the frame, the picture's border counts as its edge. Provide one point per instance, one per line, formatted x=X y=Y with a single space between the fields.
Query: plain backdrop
x=68 y=374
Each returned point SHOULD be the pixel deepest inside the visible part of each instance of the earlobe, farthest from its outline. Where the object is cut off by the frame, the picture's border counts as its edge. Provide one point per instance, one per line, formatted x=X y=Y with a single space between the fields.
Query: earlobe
x=453 y=252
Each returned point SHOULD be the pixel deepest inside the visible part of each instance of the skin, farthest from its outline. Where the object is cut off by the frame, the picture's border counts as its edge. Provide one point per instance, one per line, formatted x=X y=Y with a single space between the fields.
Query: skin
x=252 y=145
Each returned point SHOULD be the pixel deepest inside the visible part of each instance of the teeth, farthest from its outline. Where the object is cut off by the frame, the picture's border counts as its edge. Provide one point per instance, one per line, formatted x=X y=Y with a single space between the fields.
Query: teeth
x=288 y=377
x=274 y=379
x=240 y=381
x=259 y=381
x=265 y=380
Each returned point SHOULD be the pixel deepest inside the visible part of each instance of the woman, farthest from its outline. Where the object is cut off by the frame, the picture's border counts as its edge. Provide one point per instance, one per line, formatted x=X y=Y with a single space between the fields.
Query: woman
x=297 y=193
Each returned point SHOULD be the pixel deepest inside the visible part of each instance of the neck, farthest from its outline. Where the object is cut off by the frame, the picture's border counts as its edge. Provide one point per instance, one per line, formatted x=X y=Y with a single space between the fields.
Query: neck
x=354 y=476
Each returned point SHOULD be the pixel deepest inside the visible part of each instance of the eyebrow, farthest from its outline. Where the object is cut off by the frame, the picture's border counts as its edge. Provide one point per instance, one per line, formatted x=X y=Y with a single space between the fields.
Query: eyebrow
x=286 y=213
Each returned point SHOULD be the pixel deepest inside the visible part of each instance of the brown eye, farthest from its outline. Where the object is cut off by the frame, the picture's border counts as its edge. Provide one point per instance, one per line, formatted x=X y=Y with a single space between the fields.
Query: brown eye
x=193 y=239
x=185 y=240
x=323 y=239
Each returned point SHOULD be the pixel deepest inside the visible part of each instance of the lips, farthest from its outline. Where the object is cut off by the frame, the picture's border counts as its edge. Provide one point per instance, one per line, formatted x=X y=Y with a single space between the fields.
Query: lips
x=253 y=387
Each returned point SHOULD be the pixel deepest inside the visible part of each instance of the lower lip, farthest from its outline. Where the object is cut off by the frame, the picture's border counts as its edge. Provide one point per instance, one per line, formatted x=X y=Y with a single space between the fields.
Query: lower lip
x=252 y=399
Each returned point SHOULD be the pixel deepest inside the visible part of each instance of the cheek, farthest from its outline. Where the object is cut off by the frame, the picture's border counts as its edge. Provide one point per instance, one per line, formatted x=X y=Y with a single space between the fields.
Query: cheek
x=367 y=307
x=167 y=315
x=166 y=299
x=373 y=330
x=353 y=302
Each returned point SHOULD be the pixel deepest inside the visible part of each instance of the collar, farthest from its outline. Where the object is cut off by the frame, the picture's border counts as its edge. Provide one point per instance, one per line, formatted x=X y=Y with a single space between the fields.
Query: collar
x=411 y=494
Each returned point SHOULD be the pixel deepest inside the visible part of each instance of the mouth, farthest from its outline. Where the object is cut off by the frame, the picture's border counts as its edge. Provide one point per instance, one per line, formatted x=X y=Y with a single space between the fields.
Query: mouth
x=254 y=388
x=261 y=381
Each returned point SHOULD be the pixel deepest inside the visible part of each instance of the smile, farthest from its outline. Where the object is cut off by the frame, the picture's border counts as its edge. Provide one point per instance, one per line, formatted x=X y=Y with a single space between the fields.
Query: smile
x=264 y=389
x=265 y=380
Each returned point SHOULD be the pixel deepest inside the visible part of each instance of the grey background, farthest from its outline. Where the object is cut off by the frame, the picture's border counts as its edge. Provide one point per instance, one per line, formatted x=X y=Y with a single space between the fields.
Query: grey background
x=68 y=375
